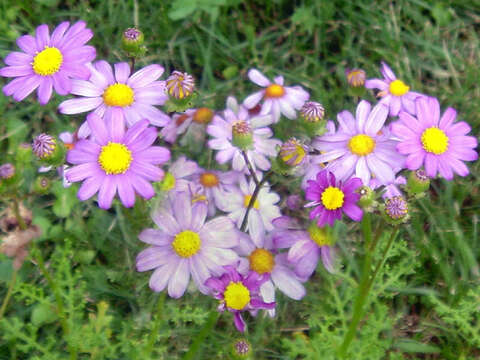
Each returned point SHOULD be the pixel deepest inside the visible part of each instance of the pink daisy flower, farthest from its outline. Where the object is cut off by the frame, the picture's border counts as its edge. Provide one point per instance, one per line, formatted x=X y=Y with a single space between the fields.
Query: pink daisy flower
x=330 y=198
x=49 y=61
x=113 y=160
x=394 y=92
x=277 y=98
x=435 y=141
x=362 y=146
x=181 y=122
x=184 y=244
x=118 y=96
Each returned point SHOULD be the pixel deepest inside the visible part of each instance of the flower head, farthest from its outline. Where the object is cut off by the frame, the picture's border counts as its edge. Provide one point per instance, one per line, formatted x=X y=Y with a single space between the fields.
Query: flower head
x=180 y=85
x=49 y=61
x=114 y=160
x=238 y=293
x=181 y=122
x=185 y=244
x=394 y=92
x=132 y=41
x=330 y=198
x=362 y=146
x=118 y=96
x=312 y=111
x=355 y=77
x=435 y=141
x=277 y=98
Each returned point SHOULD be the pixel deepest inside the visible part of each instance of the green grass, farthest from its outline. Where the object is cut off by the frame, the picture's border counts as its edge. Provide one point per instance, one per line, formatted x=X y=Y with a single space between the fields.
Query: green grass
x=425 y=303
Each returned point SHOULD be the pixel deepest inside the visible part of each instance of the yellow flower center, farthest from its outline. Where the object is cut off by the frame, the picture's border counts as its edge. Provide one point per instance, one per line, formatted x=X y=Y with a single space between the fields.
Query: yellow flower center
x=434 y=140
x=209 y=179
x=261 y=261
x=274 y=91
x=118 y=95
x=332 y=198
x=398 y=88
x=203 y=115
x=115 y=158
x=319 y=235
x=48 y=61
x=236 y=295
x=168 y=182
x=361 y=144
x=186 y=243
x=246 y=201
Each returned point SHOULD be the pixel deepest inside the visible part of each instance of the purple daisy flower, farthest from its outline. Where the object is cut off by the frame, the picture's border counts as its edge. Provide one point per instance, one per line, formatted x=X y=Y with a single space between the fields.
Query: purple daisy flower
x=267 y=260
x=118 y=95
x=181 y=122
x=113 y=160
x=394 y=92
x=237 y=130
x=435 y=142
x=239 y=293
x=306 y=246
x=185 y=244
x=49 y=62
x=330 y=198
x=277 y=98
x=362 y=146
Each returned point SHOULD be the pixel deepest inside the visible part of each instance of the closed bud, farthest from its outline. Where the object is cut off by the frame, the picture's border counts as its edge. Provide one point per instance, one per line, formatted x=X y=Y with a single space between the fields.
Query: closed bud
x=241 y=349
x=48 y=150
x=242 y=136
x=7 y=171
x=418 y=182
x=293 y=153
x=132 y=42
x=42 y=185
x=367 y=198
x=312 y=112
x=355 y=77
x=395 y=210
x=180 y=85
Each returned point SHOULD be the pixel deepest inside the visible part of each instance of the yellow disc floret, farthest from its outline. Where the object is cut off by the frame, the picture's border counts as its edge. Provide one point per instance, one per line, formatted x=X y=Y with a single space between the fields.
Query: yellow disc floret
x=118 y=95
x=209 y=179
x=332 y=198
x=186 y=243
x=261 y=261
x=246 y=201
x=236 y=295
x=319 y=235
x=434 y=140
x=203 y=115
x=115 y=158
x=168 y=182
x=398 y=88
x=47 y=62
x=274 y=91
x=361 y=144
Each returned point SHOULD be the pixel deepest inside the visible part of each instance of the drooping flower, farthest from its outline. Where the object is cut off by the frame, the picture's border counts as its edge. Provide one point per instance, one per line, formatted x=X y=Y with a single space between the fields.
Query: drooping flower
x=184 y=244
x=394 y=92
x=306 y=246
x=49 y=61
x=236 y=131
x=435 y=142
x=238 y=293
x=116 y=161
x=181 y=122
x=330 y=198
x=262 y=212
x=277 y=98
x=268 y=260
x=180 y=85
x=118 y=96
x=362 y=146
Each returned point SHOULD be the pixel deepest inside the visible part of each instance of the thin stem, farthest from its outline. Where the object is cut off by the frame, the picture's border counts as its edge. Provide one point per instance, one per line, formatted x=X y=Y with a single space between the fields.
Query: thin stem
x=156 y=326
x=9 y=293
x=384 y=256
x=250 y=167
x=252 y=200
x=16 y=211
x=201 y=336
x=132 y=64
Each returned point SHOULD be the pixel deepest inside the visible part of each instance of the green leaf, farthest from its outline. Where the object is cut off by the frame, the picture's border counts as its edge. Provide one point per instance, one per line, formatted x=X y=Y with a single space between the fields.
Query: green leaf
x=43 y=314
x=65 y=199
x=412 y=346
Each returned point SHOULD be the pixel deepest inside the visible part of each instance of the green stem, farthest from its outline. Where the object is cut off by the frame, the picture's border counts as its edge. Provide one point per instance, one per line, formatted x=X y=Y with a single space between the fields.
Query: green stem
x=9 y=293
x=197 y=342
x=16 y=211
x=365 y=283
x=156 y=326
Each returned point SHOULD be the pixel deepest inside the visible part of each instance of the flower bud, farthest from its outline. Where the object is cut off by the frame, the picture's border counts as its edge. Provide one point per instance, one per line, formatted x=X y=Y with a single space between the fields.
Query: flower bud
x=312 y=111
x=294 y=202
x=242 y=136
x=241 y=349
x=203 y=115
x=7 y=171
x=418 y=182
x=42 y=185
x=293 y=153
x=367 y=198
x=355 y=77
x=48 y=150
x=395 y=210
x=180 y=85
x=132 y=42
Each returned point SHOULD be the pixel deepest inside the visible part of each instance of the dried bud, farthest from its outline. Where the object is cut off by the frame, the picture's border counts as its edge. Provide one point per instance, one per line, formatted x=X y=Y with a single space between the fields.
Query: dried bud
x=293 y=153
x=203 y=115
x=312 y=111
x=132 y=42
x=418 y=182
x=355 y=77
x=395 y=210
x=241 y=349
x=7 y=171
x=9 y=221
x=242 y=136
x=180 y=85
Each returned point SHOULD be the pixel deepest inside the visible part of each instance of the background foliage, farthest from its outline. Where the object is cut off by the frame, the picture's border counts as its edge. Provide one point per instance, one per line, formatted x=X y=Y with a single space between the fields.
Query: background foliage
x=426 y=300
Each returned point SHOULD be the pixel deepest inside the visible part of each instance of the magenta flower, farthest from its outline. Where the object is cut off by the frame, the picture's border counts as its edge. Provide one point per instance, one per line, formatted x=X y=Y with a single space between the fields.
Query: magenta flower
x=435 y=142
x=330 y=198
x=113 y=160
x=184 y=244
x=238 y=293
x=362 y=146
x=277 y=98
x=49 y=62
x=394 y=92
x=120 y=97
